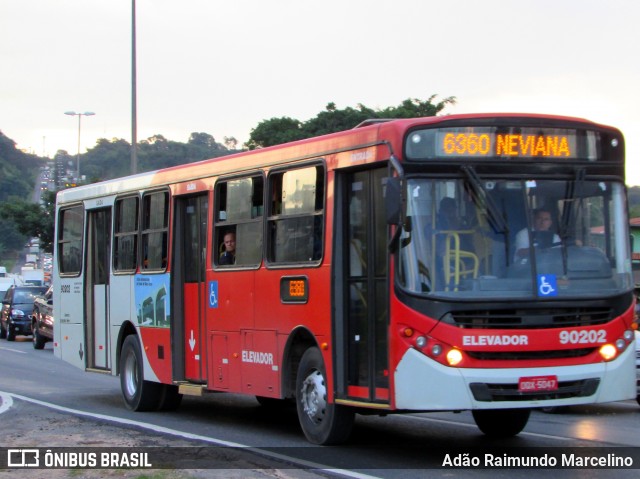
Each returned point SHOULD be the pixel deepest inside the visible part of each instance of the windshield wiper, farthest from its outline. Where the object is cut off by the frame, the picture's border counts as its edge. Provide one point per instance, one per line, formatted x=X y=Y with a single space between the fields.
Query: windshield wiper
x=574 y=192
x=497 y=220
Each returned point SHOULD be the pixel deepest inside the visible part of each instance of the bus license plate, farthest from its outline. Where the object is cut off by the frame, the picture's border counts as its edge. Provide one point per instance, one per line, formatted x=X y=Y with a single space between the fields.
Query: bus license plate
x=538 y=383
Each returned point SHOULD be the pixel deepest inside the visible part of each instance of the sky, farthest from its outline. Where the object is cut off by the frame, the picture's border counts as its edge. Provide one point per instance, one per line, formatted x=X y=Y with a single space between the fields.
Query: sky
x=221 y=67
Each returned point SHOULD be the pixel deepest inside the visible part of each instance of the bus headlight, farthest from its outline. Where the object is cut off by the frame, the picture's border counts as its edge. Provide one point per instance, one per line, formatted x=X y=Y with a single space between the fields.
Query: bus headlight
x=454 y=356
x=608 y=352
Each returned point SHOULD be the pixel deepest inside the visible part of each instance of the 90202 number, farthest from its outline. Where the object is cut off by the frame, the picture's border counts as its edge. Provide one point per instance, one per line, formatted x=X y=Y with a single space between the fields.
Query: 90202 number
x=583 y=337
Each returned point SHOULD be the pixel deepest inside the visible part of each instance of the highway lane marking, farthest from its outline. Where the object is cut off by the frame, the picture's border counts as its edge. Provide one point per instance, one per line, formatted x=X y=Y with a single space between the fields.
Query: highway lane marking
x=13 y=350
x=187 y=435
x=6 y=402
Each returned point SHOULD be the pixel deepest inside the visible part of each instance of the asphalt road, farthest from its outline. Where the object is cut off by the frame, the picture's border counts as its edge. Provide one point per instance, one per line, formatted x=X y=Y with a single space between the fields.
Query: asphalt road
x=54 y=404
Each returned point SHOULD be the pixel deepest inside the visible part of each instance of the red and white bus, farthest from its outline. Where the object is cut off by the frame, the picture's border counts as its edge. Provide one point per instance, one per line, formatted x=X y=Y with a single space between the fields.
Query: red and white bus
x=395 y=267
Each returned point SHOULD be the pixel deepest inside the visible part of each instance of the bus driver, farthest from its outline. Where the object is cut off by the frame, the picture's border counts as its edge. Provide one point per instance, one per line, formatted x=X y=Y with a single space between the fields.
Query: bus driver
x=541 y=224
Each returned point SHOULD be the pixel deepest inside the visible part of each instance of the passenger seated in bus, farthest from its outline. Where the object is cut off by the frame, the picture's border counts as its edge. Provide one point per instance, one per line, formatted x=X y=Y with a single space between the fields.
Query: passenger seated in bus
x=228 y=256
x=542 y=234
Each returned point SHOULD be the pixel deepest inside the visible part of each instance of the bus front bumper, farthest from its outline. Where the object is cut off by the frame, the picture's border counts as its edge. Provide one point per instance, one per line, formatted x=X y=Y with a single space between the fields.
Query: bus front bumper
x=426 y=385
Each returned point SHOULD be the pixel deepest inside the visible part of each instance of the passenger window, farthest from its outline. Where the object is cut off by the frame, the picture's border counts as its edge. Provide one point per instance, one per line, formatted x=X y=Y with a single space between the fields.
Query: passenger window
x=238 y=226
x=71 y=226
x=296 y=215
x=125 y=247
x=155 y=227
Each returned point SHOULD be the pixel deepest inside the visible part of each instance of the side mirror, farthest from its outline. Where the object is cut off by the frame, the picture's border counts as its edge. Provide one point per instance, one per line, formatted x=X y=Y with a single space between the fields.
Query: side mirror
x=392 y=203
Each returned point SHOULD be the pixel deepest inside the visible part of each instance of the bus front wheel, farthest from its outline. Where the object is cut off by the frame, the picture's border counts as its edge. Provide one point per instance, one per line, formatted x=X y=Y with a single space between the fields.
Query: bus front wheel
x=501 y=422
x=322 y=422
x=138 y=394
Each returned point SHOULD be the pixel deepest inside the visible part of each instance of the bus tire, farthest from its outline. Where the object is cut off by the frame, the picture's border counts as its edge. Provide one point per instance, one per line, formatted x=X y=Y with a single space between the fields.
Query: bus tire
x=500 y=423
x=322 y=422
x=138 y=394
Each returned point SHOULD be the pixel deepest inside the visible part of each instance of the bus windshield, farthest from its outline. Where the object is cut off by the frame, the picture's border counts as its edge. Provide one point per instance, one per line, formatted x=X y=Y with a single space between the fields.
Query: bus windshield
x=489 y=238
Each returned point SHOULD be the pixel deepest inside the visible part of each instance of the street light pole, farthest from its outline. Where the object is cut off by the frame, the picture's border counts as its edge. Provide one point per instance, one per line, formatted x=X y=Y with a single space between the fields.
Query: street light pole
x=79 y=115
x=134 y=94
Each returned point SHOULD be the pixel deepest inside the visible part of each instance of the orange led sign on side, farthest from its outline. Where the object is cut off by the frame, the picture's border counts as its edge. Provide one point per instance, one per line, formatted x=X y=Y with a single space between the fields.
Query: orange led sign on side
x=296 y=288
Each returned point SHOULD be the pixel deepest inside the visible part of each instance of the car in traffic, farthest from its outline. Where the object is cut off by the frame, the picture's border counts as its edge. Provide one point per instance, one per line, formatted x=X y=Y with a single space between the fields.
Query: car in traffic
x=42 y=319
x=17 y=307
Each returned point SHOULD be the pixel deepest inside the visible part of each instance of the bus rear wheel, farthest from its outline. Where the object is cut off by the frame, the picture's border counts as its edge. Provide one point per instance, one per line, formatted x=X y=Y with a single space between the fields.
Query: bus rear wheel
x=138 y=394
x=501 y=423
x=322 y=422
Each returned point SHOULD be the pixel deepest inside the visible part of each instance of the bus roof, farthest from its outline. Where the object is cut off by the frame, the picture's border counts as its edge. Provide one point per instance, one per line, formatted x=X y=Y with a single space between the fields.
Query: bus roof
x=368 y=133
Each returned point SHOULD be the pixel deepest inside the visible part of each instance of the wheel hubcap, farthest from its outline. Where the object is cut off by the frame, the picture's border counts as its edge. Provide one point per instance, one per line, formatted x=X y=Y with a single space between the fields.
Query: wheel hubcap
x=314 y=397
x=131 y=375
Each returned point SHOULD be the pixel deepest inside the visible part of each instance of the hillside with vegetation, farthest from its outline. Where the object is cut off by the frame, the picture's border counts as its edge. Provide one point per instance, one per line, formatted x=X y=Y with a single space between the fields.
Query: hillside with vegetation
x=18 y=172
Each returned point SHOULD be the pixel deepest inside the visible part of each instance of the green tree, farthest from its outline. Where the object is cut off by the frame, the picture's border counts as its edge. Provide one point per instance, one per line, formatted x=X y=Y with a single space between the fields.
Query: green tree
x=31 y=219
x=274 y=132
x=281 y=130
x=415 y=108
x=230 y=142
x=331 y=120
x=108 y=159
x=202 y=139
x=18 y=171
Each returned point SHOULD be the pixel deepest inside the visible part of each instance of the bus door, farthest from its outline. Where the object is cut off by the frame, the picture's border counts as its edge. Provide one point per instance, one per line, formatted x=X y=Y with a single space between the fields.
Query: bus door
x=188 y=327
x=96 y=292
x=361 y=287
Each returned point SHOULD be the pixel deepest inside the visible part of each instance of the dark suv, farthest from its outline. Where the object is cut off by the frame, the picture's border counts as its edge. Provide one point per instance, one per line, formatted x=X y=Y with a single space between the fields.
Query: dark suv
x=17 y=305
x=42 y=319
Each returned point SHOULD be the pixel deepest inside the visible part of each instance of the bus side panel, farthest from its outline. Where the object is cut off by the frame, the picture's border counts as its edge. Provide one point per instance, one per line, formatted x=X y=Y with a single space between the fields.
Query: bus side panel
x=193 y=342
x=156 y=348
x=314 y=315
x=149 y=310
x=121 y=310
x=225 y=361
x=260 y=365
x=69 y=340
x=226 y=314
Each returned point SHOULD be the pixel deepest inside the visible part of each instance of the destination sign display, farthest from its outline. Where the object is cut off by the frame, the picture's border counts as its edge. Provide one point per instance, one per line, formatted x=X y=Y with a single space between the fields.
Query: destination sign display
x=498 y=144
x=503 y=142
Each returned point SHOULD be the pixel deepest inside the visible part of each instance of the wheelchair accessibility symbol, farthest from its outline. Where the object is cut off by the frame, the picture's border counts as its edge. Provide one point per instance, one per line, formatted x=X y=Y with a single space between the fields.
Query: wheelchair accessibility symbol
x=547 y=285
x=213 y=294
